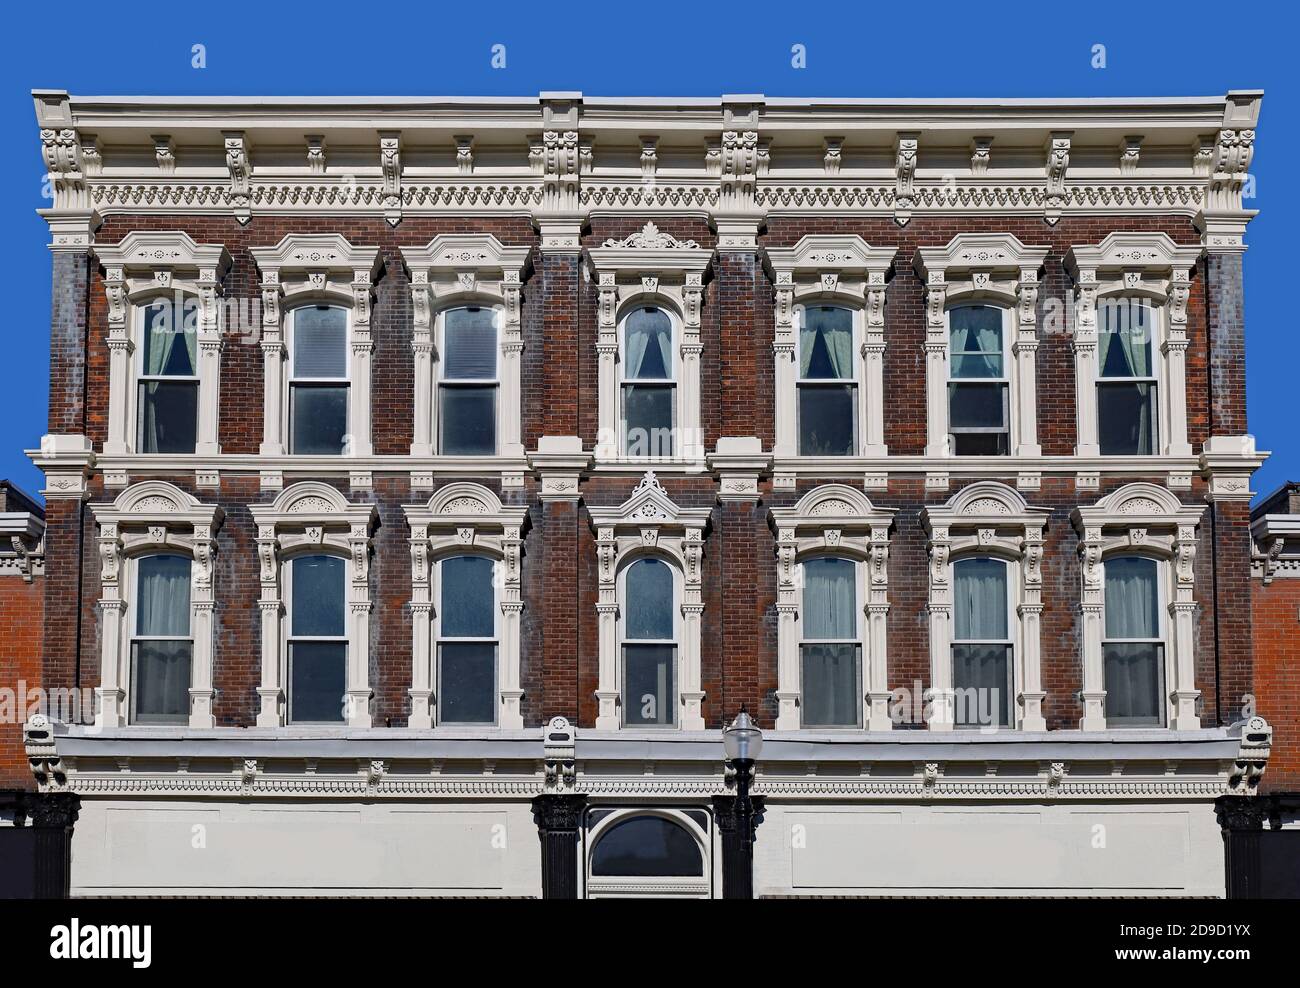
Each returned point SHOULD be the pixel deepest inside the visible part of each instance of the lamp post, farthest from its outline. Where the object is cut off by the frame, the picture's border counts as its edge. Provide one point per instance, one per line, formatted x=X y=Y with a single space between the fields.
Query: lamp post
x=742 y=742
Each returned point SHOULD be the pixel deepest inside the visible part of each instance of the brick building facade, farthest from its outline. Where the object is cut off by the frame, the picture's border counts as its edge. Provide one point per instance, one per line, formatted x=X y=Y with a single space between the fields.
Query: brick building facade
x=746 y=233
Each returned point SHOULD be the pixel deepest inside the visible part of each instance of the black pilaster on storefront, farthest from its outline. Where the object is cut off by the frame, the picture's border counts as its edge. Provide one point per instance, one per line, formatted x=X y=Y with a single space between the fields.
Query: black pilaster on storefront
x=1242 y=819
x=41 y=836
x=737 y=844
x=559 y=819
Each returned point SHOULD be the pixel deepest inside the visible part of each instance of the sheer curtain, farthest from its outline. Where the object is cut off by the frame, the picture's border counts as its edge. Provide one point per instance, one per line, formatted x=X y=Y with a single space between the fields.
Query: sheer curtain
x=165 y=325
x=975 y=341
x=162 y=666
x=980 y=592
x=829 y=599
x=1124 y=342
x=644 y=331
x=163 y=604
x=832 y=328
x=1132 y=598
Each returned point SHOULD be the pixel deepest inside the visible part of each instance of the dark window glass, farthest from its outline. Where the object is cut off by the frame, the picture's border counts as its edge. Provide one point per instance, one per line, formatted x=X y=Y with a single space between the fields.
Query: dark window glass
x=319 y=417
x=169 y=415
x=832 y=695
x=318 y=597
x=981 y=651
x=648 y=419
x=827 y=419
x=467 y=420
x=1126 y=417
x=468 y=598
x=320 y=338
x=977 y=407
x=649 y=692
x=977 y=419
x=1126 y=393
x=649 y=605
x=171 y=339
x=160 y=687
x=646 y=847
x=1134 y=683
x=470 y=342
x=467 y=682
x=981 y=676
x=317 y=681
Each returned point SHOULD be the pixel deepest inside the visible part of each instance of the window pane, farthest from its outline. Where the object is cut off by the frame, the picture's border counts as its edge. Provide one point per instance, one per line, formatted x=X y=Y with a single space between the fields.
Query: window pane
x=648 y=419
x=648 y=341
x=826 y=342
x=981 y=676
x=163 y=604
x=467 y=598
x=649 y=694
x=470 y=339
x=646 y=847
x=467 y=420
x=467 y=678
x=1124 y=339
x=980 y=599
x=1132 y=598
x=320 y=419
x=1126 y=417
x=1134 y=677
x=977 y=406
x=317 y=605
x=169 y=415
x=317 y=677
x=975 y=340
x=831 y=691
x=829 y=599
x=979 y=444
x=170 y=339
x=160 y=689
x=649 y=604
x=320 y=339
x=827 y=418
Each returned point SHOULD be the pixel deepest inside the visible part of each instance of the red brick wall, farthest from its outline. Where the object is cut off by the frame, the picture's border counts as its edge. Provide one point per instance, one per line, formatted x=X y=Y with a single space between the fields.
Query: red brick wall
x=1276 y=610
x=21 y=618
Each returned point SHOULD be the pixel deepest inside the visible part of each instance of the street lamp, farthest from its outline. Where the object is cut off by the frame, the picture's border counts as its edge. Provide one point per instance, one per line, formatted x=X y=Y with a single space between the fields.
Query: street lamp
x=742 y=742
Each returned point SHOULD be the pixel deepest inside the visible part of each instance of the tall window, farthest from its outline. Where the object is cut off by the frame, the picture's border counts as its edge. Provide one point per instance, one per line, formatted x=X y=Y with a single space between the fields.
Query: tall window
x=318 y=646
x=169 y=378
x=161 y=648
x=827 y=408
x=1126 y=388
x=649 y=645
x=318 y=385
x=978 y=388
x=467 y=642
x=981 y=643
x=1133 y=647
x=467 y=386
x=831 y=650
x=649 y=388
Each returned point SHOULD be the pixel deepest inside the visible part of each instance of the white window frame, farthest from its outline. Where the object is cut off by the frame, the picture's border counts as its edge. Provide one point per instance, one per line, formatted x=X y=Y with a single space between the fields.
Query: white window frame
x=678 y=597
x=286 y=656
x=292 y=378
x=992 y=268
x=139 y=311
x=678 y=887
x=464 y=518
x=861 y=402
x=439 y=638
x=649 y=521
x=987 y=518
x=138 y=269
x=649 y=267
x=130 y=624
x=830 y=269
x=858 y=639
x=440 y=381
x=315 y=269
x=309 y=518
x=1014 y=673
x=1167 y=710
x=675 y=368
x=1160 y=407
x=1141 y=519
x=835 y=520
x=1008 y=378
x=149 y=518
x=1144 y=265
x=451 y=271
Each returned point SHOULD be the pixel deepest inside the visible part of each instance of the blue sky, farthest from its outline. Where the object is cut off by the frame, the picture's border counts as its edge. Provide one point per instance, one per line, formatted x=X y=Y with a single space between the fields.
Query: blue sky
x=663 y=48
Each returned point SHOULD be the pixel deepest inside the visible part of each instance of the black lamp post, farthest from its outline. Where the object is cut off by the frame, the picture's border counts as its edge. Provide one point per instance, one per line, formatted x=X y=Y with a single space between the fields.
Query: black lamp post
x=742 y=741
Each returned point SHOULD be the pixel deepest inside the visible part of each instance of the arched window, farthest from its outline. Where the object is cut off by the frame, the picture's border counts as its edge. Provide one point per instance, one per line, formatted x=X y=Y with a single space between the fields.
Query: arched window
x=162 y=646
x=318 y=644
x=467 y=641
x=1133 y=647
x=649 y=644
x=649 y=386
x=979 y=384
x=318 y=380
x=827 y=383
x=982 y=668
x=831 y=649
x=467 y=381
x=168 y=402
x=1126 y=378
x=646 y=847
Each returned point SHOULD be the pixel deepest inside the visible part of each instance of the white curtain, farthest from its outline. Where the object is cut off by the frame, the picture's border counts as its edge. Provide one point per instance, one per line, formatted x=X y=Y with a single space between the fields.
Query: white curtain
x=833 y=329
x=163 y=600
x=829 y=599
x=980 y=599
x=165 y=325
x=1124 y=342
x=1132 y=598
x=646 y=329
x=975 y=341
